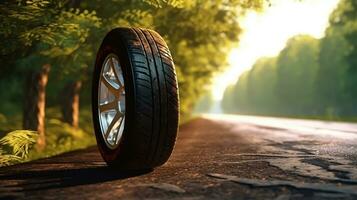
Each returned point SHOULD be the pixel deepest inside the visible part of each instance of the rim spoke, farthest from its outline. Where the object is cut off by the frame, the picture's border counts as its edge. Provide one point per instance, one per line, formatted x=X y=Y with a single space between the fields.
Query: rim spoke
x=116 y=72
x=108 y=106
x=121 y=122
x=110 y=87
x=117 y=116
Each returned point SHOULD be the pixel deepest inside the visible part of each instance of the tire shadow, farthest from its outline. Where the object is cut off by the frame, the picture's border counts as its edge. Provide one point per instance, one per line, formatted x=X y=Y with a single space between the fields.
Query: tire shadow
x=48 y=179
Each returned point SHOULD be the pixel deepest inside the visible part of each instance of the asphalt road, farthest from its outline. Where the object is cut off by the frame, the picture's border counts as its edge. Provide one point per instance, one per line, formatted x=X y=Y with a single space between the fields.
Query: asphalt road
x=216 y=157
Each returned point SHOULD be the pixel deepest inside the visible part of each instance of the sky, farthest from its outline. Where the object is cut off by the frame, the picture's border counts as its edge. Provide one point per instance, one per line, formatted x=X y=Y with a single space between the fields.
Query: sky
x=266 y=33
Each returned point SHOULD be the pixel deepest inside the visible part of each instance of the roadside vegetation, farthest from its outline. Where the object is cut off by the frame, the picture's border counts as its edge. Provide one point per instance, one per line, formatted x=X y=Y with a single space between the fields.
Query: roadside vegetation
x=21 y=145
x=310 y=78
x=48 y=51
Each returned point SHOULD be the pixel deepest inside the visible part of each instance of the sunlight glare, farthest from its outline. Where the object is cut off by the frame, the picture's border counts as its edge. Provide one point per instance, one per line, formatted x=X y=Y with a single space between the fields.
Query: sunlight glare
x=266 y=33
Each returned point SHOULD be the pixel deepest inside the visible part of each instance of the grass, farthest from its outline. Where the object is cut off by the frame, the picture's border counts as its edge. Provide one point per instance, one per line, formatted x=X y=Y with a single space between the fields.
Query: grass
x=60 y=137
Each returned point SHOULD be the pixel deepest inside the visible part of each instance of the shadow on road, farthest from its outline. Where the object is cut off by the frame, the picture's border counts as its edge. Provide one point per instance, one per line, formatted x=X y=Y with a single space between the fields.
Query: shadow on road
x=48 y=179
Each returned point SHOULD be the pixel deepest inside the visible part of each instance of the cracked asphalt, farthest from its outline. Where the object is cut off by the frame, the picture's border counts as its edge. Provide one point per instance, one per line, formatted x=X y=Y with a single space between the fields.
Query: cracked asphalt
x=215 y=157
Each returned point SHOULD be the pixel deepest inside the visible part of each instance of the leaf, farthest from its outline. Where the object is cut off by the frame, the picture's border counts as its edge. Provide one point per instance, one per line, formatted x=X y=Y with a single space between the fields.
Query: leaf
x=20 y=141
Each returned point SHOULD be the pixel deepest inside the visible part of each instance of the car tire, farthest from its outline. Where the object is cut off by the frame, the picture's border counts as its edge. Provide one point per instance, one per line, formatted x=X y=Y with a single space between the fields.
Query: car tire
x=135 y=102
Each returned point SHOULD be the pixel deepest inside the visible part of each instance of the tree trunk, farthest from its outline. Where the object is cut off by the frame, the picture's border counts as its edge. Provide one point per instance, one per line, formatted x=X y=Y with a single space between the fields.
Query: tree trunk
x=70 y=103
x=34 y=103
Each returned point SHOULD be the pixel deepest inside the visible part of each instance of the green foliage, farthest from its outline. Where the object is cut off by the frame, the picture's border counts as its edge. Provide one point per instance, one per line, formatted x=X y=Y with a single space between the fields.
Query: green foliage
x=8 y=159
x=199 y=33
x=161 y=3
x=338 y=63
x=330 y=80
x=284 y=85
x=346 y=13
x=308 y=78
x=33 y=33
x=18 y=146
x=15 y=146
x=199 y=37
x=19 y=141
x=261 y=85
x=31 y=22
x=296 y=70
x=63 y=138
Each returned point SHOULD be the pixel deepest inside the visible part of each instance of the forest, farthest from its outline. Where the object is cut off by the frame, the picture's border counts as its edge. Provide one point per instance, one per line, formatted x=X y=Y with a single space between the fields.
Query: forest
x=48 y=52
x=310 y=78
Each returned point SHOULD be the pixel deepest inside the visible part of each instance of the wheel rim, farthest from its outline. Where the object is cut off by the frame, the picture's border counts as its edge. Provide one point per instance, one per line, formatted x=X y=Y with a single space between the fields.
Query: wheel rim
x=111 y=101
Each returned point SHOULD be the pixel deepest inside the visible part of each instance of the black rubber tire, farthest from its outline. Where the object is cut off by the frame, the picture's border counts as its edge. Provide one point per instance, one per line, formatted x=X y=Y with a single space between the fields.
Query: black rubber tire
x=152 y=104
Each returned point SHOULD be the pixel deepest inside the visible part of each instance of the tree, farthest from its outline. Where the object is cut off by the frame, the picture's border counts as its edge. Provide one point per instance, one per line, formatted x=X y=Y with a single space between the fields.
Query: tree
x=312 y=77
x=34 y=108
x=261 y=86
x=36 y=32
x=203 y=34
x=284 y=85
x=332 y=72
x=67 y=35
x=296 y=71
x=344 y=19
x=236 y=99
x=227 y=103
x=70 y=103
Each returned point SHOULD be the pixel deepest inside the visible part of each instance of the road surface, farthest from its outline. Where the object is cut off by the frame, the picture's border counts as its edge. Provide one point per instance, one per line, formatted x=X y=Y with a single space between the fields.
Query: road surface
x=216 y=157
